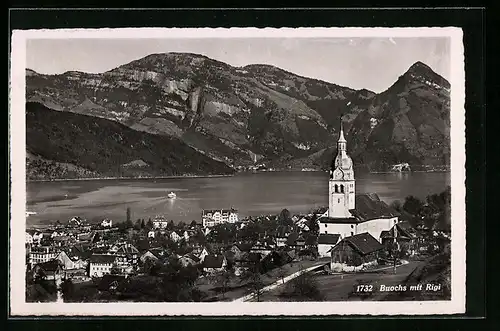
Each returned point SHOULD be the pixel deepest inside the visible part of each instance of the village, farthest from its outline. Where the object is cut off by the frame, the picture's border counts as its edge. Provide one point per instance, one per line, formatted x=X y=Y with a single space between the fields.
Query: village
x=218 y=251
x=224 y=257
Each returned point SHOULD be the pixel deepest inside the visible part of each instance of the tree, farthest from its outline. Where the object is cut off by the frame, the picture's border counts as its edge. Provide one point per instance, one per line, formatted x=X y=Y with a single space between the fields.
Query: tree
x=170 y=225
x=256 y=284
x=115 y=270
x=313 y=225
x=181 y=225
x=143 y=225
x=194 y=224
x=285 y=217
x=129 y=215
x=223 y=280
x=397 y=205
x=67 y=289
x=149 y=224
x=412 y=205
x=282 y=273
x=305 y=287
x=137 y=225
x=254 y=280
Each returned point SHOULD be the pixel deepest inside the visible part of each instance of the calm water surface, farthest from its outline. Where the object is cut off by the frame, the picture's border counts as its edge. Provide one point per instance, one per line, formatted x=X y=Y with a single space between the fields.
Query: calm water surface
x=250 y=193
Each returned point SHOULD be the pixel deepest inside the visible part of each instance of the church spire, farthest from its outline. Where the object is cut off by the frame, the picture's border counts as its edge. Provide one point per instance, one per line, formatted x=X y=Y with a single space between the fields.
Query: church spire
x=341 y=138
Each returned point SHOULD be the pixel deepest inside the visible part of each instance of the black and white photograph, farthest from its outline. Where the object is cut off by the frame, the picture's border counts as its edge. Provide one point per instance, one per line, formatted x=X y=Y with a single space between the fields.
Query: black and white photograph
x=221 y=171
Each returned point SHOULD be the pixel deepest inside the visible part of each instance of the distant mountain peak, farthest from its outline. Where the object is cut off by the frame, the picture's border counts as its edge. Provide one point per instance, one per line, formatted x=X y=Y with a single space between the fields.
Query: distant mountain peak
x=420 y=71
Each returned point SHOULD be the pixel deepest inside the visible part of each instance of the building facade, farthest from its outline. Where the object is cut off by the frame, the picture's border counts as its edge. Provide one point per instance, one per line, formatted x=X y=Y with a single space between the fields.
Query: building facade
x=212 y=218
x=100 y=265
x=42 y=254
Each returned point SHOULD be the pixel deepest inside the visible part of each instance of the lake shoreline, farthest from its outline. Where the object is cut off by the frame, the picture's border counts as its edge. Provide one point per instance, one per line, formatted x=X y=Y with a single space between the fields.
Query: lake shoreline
x=213 y=176
x=121 y=178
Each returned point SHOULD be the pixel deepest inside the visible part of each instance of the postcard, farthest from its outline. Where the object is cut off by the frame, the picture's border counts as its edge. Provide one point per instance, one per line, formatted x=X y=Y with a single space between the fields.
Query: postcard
x=219 y=172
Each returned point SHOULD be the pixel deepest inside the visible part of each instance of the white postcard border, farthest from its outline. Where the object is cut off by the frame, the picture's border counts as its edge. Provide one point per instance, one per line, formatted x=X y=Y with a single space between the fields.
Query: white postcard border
x=18 y=306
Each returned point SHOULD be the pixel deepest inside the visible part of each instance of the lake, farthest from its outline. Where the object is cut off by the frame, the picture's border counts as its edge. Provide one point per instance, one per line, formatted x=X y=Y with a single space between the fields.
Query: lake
x=251 y=193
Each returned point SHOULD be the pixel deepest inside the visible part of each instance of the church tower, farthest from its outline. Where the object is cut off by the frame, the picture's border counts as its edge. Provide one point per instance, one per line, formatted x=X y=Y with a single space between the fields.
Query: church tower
x=341 y=184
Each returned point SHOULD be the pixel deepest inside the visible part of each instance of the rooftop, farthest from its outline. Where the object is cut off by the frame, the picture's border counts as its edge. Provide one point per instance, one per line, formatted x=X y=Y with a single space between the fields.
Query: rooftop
x=102 y=259
x=328 y=239
x=369 y=206
x=364 y=243
x=213 y=261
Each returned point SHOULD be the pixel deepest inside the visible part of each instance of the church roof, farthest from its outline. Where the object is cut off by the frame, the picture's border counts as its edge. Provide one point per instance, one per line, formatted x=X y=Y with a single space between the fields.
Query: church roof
x=369 y=207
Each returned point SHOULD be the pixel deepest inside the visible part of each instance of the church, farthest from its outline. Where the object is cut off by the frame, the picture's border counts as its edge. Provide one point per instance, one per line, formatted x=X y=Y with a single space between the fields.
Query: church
x=349 y=213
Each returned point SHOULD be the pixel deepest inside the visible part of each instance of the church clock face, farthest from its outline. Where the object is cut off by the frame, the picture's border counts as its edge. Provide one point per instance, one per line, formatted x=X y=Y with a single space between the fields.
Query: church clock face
x=338 y=174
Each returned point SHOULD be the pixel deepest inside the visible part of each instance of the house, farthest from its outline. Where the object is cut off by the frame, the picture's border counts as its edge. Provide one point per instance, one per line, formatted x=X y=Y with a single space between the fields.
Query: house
x=29 y=238
x=153 y=254
x=189 y=260
x=50 y=270
x=214 y=263
x=311 y=241
x=295 y=240
x=356 y=250
x=37 y=237
x=300 y=242
x=326 y=242
x=174 y=236
x=211 y=217
x=130 y=253
x=76 y=275
x=322 y=212
x=86 y=237
x=76 y=221
x=203 y=254
x=101 y=264
x=404 y=235
x=66 y=262
x=159 y=222
x=240 y=249
x=61 y=241
x=186 y=235
x=261 y=248
x=107 y=223
x=79 y=252
x=42 y=254
x=282 y=233
x=151 y=234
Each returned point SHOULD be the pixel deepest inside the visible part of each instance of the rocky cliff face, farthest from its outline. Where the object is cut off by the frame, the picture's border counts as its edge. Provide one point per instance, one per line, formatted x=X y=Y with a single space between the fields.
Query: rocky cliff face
x=235 y=114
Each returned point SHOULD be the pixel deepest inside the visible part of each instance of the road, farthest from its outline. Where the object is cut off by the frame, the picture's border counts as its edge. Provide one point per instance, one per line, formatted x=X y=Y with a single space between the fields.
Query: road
x=342 y=287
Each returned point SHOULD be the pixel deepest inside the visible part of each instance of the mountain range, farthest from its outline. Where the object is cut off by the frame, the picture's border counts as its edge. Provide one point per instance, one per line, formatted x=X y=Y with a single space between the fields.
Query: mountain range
x=234 y=116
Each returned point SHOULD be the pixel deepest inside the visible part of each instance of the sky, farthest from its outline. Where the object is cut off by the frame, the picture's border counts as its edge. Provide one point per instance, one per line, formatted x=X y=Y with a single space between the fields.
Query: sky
x=371 y=63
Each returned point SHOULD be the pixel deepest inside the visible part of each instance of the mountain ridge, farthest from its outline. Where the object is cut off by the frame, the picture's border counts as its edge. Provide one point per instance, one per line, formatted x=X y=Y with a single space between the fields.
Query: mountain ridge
x=237 y=114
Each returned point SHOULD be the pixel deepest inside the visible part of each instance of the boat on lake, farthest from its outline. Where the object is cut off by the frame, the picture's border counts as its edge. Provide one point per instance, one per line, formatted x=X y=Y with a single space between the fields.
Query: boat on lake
x=172 y=195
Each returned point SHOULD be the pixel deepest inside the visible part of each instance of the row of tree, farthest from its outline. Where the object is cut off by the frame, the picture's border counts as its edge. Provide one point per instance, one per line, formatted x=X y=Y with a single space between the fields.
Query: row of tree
x=433 y=213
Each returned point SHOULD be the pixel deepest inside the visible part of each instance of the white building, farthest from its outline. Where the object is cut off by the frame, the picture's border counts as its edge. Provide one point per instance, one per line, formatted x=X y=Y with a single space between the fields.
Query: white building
x=160 y=222
x=350 y=214
x=219 y=216
x=106 y=223
x=29 y=238
x=42 y=254
x=100 y=265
